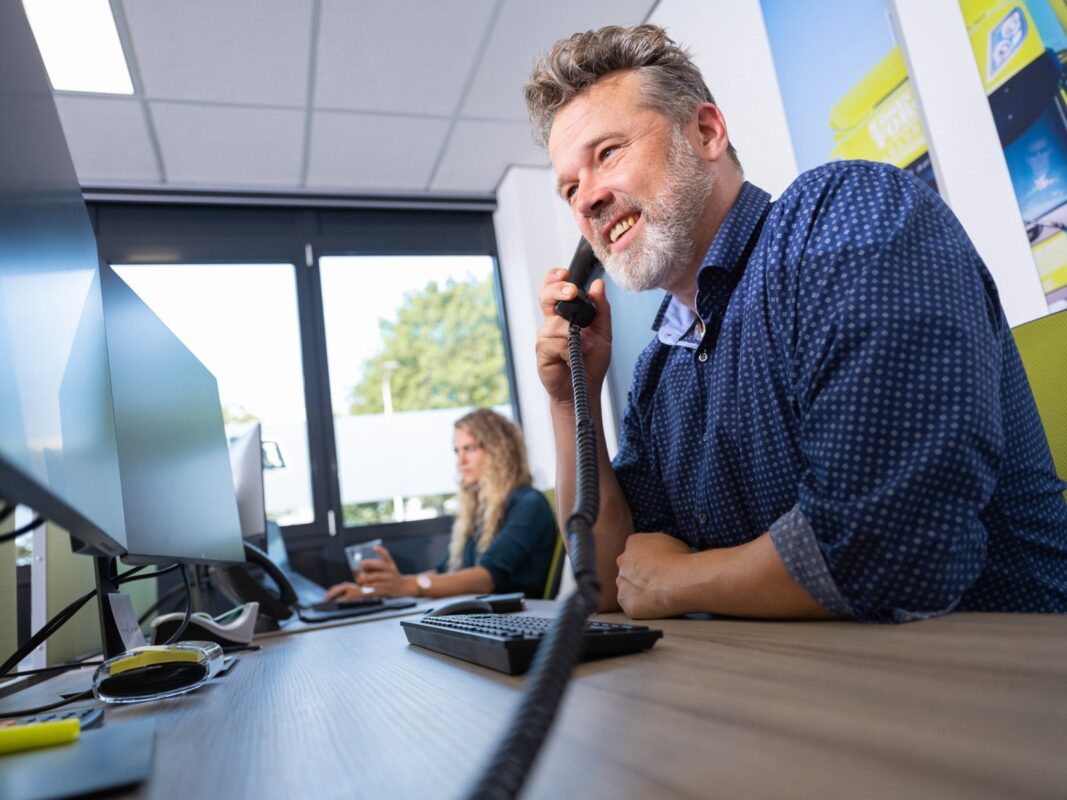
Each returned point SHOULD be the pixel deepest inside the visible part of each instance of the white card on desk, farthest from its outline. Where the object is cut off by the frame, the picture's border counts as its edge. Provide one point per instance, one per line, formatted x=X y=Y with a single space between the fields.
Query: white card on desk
x=126 y=620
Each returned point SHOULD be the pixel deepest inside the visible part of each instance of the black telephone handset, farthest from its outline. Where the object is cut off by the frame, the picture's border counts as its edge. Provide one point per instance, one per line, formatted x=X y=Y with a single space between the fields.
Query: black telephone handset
x=244 y=586
x=580 y=310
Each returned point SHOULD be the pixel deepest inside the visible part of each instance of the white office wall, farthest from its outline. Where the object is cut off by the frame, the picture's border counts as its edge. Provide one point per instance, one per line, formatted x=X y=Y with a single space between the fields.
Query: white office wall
x=968 y=159
x=528 y=244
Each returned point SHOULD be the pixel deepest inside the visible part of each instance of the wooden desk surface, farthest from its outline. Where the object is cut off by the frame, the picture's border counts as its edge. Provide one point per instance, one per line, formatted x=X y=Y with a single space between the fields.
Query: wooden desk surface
x=965 y=706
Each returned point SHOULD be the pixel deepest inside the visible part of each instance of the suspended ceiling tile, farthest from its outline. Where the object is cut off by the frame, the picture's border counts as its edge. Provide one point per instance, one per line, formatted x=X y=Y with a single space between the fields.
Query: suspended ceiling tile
x=229 y=146
x=237 y=51
x=373 y=151
x=479 y=153
x=410 y=56
x=525 y=30
x=108 y=140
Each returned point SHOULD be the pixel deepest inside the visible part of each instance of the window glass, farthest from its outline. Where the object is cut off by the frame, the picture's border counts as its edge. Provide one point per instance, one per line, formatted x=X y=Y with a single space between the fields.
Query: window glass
x=412 y=344
x=241 y=321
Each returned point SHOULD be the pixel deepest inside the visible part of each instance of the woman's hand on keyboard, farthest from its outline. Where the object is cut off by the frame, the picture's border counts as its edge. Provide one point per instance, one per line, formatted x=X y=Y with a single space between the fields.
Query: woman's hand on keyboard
x=344 y=591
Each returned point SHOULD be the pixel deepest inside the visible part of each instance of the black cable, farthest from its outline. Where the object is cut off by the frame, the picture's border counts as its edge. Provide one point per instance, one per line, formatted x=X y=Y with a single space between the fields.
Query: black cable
x=126 y=577
x=188 y=607
x=46 y=630
x=54 y=624
x=561 y=648
x=23 y=712
x=64 y=616
x=29 y=526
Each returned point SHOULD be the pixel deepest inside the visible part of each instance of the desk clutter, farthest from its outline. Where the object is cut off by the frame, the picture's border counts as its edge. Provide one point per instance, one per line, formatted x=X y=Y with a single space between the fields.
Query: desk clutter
x=107 y=758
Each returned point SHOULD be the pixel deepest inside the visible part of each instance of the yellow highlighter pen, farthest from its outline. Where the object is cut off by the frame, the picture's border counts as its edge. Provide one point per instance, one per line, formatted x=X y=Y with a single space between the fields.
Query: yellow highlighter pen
x=38 y=734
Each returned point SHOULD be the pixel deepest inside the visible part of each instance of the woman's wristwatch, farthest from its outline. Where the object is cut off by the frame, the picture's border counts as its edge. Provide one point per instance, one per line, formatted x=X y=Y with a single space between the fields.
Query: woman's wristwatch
x=424 y=582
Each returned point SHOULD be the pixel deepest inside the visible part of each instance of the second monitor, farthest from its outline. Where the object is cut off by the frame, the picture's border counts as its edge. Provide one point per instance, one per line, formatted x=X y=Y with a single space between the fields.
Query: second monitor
x=246 y=461
x=177 y=487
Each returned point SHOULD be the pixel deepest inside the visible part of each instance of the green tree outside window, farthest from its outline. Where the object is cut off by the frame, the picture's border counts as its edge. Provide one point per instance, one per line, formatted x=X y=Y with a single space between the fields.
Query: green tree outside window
x=443 y=350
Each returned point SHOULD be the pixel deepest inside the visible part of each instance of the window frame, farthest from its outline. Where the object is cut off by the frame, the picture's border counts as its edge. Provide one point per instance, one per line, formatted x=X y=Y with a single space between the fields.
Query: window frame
x=191 y=231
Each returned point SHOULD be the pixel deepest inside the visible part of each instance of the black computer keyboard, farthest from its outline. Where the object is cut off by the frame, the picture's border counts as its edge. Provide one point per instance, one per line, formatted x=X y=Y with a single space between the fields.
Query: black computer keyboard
x=507 y=643
x=343 y=609
x=335 y=605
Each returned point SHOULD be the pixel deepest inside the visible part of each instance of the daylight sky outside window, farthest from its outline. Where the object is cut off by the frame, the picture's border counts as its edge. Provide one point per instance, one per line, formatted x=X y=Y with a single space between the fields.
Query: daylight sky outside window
x=80 y=45
x=240 y=321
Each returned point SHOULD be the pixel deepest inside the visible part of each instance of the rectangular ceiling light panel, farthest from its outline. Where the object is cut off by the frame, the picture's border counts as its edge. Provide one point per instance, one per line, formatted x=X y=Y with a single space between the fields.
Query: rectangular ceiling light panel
x=80 y=45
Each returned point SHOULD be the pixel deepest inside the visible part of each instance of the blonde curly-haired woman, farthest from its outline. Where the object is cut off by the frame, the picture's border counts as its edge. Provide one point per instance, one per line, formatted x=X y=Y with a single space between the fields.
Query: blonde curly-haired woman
x=504 y=534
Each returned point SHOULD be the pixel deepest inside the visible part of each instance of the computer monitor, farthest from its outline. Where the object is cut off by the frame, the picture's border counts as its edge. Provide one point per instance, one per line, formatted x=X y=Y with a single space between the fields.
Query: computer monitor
x=177 y=488
x=246 y=463
x=108 y=425
x=59 y=458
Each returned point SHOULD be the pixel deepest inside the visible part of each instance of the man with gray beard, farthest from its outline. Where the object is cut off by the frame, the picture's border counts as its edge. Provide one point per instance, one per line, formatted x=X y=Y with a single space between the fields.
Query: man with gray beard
x=832 y=418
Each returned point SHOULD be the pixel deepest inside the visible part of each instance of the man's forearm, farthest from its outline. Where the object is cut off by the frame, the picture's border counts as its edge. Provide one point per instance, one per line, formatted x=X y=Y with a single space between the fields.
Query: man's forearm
x=749 y=580
x=659 y=577
x=614 y=523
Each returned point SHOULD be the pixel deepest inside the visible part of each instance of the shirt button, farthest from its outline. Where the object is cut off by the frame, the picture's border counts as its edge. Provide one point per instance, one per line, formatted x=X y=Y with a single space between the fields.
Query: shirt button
x=703 y=518
x=703 y=356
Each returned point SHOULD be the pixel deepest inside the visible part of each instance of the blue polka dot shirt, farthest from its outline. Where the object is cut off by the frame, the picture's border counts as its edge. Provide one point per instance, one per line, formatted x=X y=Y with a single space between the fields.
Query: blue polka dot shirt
x=852 y=387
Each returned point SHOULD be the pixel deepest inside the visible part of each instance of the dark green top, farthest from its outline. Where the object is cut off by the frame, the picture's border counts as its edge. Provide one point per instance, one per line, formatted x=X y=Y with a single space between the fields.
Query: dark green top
x=521 y=553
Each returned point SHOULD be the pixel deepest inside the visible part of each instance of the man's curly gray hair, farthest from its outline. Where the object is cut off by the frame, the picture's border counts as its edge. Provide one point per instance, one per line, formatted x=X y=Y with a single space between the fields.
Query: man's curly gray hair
x=671 y=82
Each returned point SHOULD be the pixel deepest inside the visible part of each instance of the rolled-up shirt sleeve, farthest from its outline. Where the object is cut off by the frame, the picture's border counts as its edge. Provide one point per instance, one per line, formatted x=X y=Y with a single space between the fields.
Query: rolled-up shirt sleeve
x=898 y=405
x=798 y=546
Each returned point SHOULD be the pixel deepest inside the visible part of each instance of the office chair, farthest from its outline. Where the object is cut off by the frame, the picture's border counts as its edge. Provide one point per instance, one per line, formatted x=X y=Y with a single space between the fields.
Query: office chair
x=1042 y=345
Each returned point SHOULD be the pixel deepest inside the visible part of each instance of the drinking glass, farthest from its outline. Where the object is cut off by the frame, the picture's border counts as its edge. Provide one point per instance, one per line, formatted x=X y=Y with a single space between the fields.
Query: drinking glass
x=356 y=553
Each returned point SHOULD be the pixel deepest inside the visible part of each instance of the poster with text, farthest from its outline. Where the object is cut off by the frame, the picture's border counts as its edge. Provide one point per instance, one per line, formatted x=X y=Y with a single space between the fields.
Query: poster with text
x=844 y=85
x=1019 y=48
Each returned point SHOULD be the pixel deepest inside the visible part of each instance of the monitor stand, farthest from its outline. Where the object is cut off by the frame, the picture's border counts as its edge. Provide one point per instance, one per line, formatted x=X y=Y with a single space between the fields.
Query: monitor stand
x=110 y=638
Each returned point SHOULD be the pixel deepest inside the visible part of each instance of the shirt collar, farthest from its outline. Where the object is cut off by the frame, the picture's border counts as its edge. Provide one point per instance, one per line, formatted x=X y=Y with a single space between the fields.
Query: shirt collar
x=730 y=247
x=675 y=324
x=729 y=252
